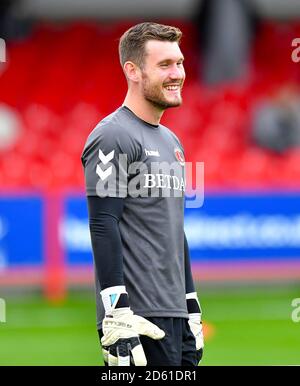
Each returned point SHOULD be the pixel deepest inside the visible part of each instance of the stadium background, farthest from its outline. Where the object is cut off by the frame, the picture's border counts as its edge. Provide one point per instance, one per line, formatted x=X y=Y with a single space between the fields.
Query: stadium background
x=61 y=76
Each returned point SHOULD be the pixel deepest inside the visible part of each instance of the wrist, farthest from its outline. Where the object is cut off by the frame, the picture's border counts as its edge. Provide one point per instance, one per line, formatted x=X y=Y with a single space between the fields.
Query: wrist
x=193 y=304
x=115 y=300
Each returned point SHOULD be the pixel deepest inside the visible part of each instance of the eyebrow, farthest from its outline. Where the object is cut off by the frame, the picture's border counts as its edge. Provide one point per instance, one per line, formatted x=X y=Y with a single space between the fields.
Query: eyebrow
x=181 y=59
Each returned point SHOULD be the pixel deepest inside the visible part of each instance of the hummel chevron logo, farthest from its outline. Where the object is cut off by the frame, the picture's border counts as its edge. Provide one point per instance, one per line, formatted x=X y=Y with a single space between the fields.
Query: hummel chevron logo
x=103 y=174
x=106 y=158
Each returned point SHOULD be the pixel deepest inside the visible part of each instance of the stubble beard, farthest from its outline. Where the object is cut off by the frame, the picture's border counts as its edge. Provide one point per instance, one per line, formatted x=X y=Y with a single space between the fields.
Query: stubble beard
x=155 y=95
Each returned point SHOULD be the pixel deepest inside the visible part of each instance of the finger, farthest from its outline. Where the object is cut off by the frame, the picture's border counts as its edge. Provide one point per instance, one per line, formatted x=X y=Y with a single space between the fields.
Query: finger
x=200 y=355
x=144 y=327
x=110 y=337
x=138 y=356
x=123 y=354
x=112 y=359
x=105 y=354
x=197 y=331
x=199 y=343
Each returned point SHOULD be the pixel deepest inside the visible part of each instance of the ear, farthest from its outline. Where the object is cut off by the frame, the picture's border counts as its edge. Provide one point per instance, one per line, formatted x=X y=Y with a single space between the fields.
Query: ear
x=132 y=71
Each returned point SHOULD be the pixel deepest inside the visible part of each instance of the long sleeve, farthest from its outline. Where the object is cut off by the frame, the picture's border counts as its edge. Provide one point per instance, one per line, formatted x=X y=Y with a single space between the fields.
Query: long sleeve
x=189 y=283
x=104 y=216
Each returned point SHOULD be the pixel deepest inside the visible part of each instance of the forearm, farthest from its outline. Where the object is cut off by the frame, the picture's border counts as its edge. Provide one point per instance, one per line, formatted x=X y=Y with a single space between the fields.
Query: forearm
x=189 y=283
x=104 y=216
x=193 y=304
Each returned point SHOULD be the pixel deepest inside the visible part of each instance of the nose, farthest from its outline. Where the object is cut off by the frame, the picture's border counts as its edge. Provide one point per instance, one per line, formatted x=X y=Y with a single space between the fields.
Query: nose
x=176 y=72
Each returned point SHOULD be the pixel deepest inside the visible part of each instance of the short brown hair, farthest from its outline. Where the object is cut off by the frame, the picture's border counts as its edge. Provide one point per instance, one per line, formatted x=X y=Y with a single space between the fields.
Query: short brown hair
x=132 y=42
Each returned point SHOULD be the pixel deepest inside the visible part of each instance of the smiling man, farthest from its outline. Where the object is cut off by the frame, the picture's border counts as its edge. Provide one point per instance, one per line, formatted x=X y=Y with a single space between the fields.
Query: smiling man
x=147 y=307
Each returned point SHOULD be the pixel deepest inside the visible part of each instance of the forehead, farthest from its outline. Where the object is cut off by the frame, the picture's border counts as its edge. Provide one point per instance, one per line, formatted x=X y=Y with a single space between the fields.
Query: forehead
x=157 y=51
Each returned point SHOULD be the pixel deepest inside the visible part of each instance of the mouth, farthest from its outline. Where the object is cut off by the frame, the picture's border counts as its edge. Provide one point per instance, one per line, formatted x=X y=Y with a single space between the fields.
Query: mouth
x=172 y=87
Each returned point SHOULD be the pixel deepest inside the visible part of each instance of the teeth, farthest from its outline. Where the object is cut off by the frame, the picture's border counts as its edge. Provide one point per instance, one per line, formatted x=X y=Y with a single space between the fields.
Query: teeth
x=173 y=88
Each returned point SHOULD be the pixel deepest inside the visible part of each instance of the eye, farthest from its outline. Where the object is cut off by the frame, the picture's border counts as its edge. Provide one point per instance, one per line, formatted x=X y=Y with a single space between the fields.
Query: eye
x=164 y=65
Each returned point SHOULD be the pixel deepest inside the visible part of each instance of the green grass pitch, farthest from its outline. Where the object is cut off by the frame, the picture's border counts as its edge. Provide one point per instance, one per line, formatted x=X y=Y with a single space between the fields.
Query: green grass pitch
x=247 y=326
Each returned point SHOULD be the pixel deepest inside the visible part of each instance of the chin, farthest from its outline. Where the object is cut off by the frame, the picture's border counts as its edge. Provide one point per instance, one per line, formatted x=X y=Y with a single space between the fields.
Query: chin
x=170 y=105
x=164 y=103
x=175 y=103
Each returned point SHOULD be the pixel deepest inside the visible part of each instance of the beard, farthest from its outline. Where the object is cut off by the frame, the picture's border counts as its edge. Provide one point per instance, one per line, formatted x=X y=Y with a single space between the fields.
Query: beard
x=154 y=94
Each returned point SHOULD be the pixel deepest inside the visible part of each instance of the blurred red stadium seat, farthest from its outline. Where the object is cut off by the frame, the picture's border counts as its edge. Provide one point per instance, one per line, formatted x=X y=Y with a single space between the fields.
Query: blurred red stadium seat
x=64 y=78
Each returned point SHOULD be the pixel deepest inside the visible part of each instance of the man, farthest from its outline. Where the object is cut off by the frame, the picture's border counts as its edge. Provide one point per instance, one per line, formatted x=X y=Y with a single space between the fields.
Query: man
x=147 y=307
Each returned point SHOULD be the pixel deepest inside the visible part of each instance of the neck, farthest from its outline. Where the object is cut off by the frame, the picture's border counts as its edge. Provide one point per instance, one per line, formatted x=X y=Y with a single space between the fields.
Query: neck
x=143 y=108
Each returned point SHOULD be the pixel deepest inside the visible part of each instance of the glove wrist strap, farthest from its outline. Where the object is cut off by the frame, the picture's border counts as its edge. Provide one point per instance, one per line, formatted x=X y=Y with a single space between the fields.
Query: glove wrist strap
x=192 y=303
x=115 y=298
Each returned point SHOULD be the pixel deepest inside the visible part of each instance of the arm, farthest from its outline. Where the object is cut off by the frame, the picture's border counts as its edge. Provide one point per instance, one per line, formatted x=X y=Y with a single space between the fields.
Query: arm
x=104 y=216
x=192 y=302
x=189 y=284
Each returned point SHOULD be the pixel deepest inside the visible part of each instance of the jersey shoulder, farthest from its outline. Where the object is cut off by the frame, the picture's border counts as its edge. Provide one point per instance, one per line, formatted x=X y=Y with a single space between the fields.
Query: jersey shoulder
x=172 y=136
x=114 y=127
x=112 y=133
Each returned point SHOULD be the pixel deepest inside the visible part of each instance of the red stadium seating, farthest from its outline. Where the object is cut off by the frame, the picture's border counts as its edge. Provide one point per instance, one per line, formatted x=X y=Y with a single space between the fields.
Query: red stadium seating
x=64 y=78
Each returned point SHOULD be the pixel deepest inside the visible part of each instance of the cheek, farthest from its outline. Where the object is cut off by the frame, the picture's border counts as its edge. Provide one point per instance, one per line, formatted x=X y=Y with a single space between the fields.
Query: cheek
x=161 y=77
x=155 y=79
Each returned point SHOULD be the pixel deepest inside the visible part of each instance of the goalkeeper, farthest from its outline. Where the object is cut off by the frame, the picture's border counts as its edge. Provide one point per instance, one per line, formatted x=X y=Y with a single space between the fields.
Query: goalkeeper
x=147 y=307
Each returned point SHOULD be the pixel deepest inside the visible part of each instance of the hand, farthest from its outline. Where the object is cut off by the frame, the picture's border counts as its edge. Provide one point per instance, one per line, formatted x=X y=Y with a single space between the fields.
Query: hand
x=197 y=330
x=195 y=323
x=120 y=341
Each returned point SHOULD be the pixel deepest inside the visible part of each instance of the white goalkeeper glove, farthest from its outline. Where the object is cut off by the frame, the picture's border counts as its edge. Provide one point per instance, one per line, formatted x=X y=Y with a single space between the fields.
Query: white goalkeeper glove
x=121 y=330
x=195 y=322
